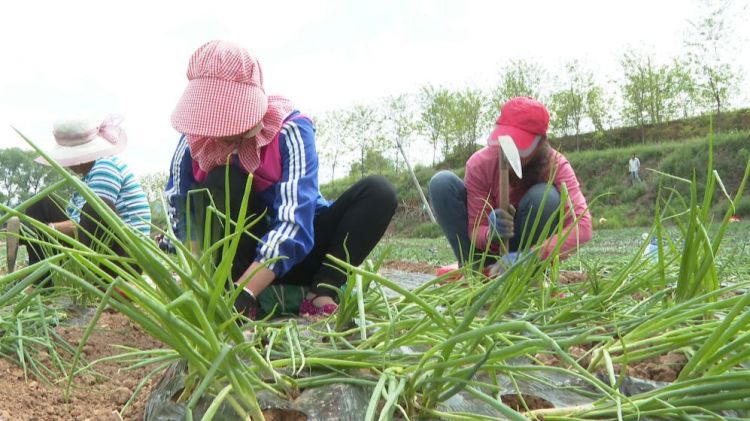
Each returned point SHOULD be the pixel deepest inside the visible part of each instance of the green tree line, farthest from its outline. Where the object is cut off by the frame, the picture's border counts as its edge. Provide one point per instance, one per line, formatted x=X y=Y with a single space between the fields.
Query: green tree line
x=650 y=90
x=21 y=177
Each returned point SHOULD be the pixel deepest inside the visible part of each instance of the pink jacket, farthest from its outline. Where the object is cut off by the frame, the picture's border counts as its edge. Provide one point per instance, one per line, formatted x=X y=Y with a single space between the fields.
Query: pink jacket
x=482 y=195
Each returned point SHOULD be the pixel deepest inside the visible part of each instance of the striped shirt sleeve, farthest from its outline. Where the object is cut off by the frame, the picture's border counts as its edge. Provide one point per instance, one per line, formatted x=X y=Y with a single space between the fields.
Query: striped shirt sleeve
x=106 y=180
x=111 y=179
x=293 y=210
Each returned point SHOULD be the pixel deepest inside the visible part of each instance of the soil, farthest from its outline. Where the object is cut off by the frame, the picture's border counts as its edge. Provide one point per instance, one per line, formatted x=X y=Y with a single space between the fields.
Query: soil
x=664 y=368
x=567 y=277
x=97 y=395
x=407 y=266
x=533 y=402
x=579 y=352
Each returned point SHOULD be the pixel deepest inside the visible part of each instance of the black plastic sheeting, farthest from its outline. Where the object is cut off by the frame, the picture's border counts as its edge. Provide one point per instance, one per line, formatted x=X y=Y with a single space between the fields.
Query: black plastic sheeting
x=338 y=402
x=343 y=402
x=78 y=315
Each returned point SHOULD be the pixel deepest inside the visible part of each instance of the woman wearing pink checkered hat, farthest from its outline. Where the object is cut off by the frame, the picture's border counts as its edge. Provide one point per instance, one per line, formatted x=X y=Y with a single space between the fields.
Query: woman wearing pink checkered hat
x=468 y=212
x=229 y=124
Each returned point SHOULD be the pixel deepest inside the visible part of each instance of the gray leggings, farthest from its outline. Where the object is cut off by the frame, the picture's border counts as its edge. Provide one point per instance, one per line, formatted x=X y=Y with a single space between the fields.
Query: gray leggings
x=448 y=197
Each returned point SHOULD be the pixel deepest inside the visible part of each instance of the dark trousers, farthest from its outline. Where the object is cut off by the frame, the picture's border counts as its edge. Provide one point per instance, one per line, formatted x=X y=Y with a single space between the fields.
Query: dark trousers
x=448 y=197
x=49 y=210
x=45 y=210
x=349 y=229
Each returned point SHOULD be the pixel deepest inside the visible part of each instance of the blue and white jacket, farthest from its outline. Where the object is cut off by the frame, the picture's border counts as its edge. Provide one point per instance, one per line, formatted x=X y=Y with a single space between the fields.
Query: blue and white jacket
x=286 y=182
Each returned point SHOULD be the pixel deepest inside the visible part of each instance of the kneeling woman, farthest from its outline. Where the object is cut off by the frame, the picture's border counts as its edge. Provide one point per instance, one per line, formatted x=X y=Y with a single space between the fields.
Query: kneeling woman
x=89 y=149
x=227 y=119
x=469 y=210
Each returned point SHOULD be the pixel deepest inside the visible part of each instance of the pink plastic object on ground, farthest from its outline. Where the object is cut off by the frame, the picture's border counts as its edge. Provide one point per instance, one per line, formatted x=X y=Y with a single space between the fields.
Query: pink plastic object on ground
x=308 y=308
x=442 y=270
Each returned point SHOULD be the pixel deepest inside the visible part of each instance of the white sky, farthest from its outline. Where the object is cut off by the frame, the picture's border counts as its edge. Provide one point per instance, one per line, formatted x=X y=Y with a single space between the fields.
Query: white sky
x=130 y=57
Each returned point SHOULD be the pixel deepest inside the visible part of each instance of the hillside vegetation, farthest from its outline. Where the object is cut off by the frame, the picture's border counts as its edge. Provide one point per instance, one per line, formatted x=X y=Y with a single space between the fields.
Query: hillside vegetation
x=603 y=172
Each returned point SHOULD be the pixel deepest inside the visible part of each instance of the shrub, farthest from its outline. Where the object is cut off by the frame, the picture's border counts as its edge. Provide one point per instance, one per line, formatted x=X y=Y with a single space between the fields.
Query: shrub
x=631 y=194
x=427 y=230
x=742 y=207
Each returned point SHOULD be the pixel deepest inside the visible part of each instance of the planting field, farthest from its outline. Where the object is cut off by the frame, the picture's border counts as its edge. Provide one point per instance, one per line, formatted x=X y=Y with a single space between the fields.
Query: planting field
x=233 y=253
x=607 y=248
x=101 y=391
x=610 y=333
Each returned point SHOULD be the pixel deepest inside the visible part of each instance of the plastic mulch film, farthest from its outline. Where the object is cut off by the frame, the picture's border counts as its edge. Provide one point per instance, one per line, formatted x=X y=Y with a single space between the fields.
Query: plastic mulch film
x=338 y=402
x=343 y=402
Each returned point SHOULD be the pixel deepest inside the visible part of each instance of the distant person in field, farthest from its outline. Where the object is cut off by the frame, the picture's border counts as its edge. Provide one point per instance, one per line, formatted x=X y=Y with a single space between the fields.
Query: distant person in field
x=467 y=210
x=230 y=125
x=634 y=166
x=89 y=149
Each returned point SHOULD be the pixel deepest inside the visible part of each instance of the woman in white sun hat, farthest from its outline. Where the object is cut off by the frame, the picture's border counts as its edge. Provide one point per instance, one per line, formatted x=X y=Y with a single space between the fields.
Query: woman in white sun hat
x=226 y=116
x=89 y=149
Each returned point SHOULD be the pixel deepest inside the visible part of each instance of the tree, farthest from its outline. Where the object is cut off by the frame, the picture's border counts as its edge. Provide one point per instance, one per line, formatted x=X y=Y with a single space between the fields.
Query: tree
x=568 y=104
x=402 y=124
x=710 y=56
x=12 y=170
x=374 y=163
x=153 y=185
x=21 y=177
x=666 y=86
x=684 y=90
x=578 y=100
x=38 y=177
x=334 y=131
x=468 y=118
x=453 y=120
x=635 y=92
x=519 y=78
x=366 y=123
x=435 y=116
x=652 y=92
x=598 y=107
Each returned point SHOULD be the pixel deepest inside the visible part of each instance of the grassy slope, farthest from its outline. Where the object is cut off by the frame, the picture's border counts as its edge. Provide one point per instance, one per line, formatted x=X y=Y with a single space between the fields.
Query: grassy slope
x=672 y=130
x=604 y=178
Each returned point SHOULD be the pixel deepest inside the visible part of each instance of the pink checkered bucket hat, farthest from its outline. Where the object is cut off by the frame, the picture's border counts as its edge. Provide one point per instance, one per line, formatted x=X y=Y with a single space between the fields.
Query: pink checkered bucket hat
x=225 y=94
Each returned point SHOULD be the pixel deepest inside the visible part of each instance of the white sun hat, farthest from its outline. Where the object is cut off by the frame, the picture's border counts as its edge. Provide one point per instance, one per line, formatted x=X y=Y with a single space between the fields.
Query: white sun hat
x=82 y=140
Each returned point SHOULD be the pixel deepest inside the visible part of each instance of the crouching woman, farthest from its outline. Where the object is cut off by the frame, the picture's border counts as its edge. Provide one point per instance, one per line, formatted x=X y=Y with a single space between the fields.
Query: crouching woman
x=231 y=130
x=468 y=210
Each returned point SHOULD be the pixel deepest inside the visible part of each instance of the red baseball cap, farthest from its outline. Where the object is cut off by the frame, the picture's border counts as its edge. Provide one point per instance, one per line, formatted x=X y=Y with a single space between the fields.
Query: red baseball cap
x=525 y=120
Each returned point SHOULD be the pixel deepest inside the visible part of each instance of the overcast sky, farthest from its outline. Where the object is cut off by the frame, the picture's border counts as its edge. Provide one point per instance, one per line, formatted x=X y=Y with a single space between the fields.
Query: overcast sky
x=130 y=57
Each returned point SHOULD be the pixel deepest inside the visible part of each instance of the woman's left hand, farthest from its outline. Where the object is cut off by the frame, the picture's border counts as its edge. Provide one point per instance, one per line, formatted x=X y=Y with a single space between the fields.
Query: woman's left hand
x=502 y=222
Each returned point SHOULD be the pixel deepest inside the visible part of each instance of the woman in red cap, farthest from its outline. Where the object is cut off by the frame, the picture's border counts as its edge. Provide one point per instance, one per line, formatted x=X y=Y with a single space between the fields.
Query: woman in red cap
x=227 y=119
x=469 y=210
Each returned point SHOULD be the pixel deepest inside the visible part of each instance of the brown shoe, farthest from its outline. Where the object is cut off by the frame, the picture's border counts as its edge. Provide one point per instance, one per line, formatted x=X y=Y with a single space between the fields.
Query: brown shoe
x=12 y=230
